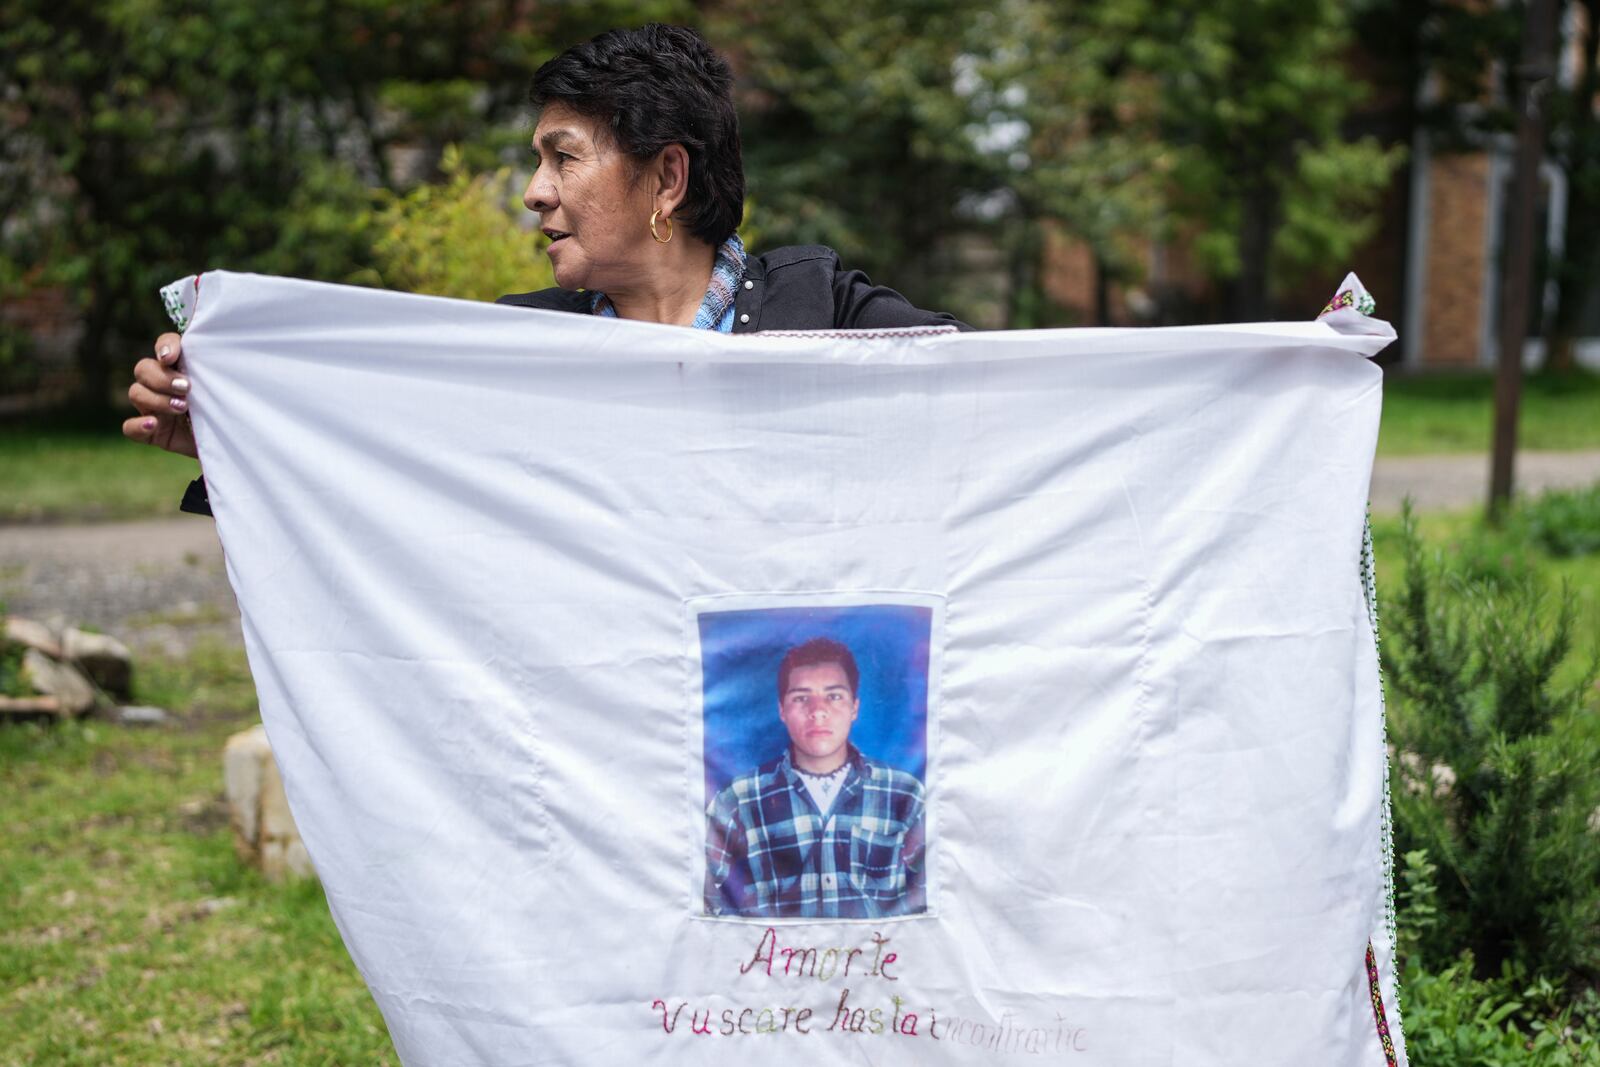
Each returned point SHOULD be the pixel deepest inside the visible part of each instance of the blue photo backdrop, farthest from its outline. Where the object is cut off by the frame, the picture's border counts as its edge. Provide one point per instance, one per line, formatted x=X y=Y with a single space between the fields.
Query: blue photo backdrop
x=740 y=653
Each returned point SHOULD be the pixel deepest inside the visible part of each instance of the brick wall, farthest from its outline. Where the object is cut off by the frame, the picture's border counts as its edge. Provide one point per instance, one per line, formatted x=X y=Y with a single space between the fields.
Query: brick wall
x=1069 y=275
x=1456 y=256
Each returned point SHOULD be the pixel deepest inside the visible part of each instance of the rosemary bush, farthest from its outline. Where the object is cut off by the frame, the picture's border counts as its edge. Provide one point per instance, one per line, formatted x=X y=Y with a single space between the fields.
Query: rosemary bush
x=1495 y=776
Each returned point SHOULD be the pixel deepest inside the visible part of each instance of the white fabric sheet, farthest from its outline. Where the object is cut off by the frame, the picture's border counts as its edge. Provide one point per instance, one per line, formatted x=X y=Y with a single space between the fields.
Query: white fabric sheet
x=475 y=548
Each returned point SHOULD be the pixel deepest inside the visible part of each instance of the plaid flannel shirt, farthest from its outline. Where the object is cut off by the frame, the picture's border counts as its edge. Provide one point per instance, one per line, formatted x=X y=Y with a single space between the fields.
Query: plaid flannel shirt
x=771 y=854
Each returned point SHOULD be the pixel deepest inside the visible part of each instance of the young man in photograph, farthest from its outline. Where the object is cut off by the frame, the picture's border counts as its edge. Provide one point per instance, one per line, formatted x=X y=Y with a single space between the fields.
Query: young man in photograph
x=821 y=831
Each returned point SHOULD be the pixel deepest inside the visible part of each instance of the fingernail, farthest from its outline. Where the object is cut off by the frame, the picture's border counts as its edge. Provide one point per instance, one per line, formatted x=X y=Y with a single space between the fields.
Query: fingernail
x=178 y=403
x=181 y=384
x=149 y=424
x=164 y=351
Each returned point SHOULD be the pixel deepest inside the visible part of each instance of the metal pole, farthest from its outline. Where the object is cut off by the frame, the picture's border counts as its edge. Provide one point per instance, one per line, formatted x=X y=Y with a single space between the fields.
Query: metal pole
x=1537 y=67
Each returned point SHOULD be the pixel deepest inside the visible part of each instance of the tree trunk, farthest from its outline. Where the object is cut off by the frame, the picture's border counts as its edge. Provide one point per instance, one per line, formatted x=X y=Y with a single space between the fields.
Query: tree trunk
x=1102 y=290
x=1576 y=270
x=93 y=398
x=1258 y=222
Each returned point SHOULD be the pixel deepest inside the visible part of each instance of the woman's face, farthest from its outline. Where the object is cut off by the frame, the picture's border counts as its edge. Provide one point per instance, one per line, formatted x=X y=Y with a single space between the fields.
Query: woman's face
x=591 y=201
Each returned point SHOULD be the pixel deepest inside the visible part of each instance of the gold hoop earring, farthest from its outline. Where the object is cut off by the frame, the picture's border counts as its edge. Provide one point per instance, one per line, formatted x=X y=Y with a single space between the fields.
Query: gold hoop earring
x=655 y=216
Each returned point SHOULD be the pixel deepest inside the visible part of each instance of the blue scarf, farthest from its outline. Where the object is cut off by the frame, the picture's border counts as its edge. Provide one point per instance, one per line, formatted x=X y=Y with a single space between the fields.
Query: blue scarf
x=716 y=310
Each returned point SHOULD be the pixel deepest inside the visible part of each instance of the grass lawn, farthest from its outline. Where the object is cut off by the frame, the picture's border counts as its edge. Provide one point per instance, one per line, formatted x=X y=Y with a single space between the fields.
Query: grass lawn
x=51 y=474
x=129 y=931
x=130 y=934
x=1455 y=413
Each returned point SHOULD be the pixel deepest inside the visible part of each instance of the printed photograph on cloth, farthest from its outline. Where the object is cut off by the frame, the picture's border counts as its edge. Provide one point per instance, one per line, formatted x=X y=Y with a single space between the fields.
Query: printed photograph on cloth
x=815 y=747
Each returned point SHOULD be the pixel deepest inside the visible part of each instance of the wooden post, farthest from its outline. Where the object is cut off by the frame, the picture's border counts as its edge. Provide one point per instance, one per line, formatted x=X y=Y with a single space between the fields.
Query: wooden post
x=1535 y=71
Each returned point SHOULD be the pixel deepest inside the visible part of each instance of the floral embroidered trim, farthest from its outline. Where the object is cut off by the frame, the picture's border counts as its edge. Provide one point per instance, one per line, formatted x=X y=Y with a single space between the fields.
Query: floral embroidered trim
x=1377 y=1009
x=1369 y=592
x=181 y=300
x=1349 y=298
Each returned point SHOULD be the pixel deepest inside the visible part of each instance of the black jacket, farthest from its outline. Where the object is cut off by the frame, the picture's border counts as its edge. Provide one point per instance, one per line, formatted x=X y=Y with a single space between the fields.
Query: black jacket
x=797 y=288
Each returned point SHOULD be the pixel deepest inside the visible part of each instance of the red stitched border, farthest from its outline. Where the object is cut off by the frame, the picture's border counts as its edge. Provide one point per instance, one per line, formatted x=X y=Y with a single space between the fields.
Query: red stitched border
x=1377 y=1009
x=888 y=331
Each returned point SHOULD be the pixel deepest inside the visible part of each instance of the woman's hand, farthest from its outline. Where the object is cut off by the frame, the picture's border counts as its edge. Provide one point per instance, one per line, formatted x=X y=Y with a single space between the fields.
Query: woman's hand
x=160 y=393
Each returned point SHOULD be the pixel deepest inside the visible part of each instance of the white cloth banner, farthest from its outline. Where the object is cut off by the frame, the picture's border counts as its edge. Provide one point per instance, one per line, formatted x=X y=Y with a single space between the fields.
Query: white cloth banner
x=648 y=695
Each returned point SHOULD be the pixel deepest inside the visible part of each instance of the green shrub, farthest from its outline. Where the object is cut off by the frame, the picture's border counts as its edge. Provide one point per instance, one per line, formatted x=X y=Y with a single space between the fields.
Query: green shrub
x=460 y=238
x=1453 y=1019
x=327 y=231
x=1563 y=523
x=466 y=236
x=1492 y=557
x=1496 y=773
x=1416 y=904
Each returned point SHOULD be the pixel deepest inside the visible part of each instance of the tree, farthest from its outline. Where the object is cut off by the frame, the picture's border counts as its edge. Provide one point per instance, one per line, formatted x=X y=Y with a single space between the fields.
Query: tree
x=1495 y=775
x=1071 y=122
x=1264 y=178
x=854 y=132
x=141 y=139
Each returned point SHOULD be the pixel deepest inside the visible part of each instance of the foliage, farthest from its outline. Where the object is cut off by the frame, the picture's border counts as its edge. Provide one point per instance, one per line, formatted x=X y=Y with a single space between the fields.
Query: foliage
x=461 y=238
x=1563 y=523
x=1416 y=904
x=327 y=229
x=1506 y=1021
x=1266 y=178
x=1074 y=140
x=1116 y=122
x=130 y=933
x=144 y=139
x=235 y=135
x=1496 y=778
x=1452 y=1017
x=854 y=131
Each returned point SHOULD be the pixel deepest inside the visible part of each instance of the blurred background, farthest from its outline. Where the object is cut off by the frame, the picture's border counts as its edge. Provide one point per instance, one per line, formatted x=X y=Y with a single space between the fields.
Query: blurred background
x=1022 y=163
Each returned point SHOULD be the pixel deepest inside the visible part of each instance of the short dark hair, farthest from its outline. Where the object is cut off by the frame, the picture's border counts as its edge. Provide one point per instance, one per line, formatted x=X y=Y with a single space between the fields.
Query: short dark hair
x=652 y=87
x=813 y=653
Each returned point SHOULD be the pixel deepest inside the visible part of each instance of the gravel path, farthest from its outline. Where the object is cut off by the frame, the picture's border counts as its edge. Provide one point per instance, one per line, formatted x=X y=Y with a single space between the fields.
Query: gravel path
x=1449 y=483
x=159 y=582
x=162 y=581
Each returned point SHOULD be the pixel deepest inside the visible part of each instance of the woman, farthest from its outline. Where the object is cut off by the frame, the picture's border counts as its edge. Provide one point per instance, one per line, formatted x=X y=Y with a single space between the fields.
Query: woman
x=639 y=187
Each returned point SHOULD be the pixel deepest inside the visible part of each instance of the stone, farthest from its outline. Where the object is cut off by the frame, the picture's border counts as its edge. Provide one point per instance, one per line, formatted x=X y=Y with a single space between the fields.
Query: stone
x=283 y=854
x=29 y=707
x=1418 y=778
x=106 y=661
x=31 y=634
x=263 y=828
x=243 y=756
x=140 y=715
x=52 y=678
